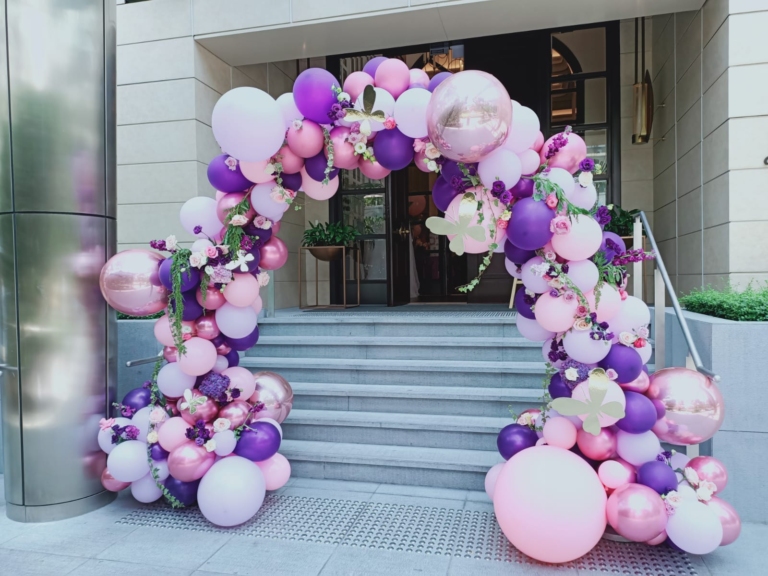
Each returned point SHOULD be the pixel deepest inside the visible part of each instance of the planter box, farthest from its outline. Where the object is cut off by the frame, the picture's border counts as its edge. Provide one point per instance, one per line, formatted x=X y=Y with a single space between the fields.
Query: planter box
x=737 y=352
x=135 y=340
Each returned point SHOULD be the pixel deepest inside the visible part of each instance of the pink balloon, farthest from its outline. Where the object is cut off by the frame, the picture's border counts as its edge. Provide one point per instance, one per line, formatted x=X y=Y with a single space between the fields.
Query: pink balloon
x=199 y=358
x=531 y=280
x=206 y=411
x=560 y=432
x=613 y=394
x=539 y=142
x=163 y=331
x=219 y=195
x=242 y=379
x=569 y=156
x=190 y=462
x=561 y=525
x=584 y=274
x=582 y=241
x=491 y=208
x=491 y=477
x=206 y=326
x=291 y=161
x=306 y=141
x=256 y=171
x=236 y=322
x=419 y=158
x=639 y=384
x=610 y=302
x=419 y=78
x=170 y=354
x=111 y=483
x=343 y=151
x=274 y=254
x=236 y=412
x=276 y=227
x=242 y=291
x=257 y=304
x=529 y=162
x=729 y=519
x=214 y=298
x=711 y=469
x=372 y=170
x=636 y=512
x=393 y=75
x=317 y=190
x=172 y=433
x=555 y=314
x=130 y=283
x=600 y=447
x=356 y=83
x=276 y=470
x=660 y=539
x=616 y=473
x=230 y=201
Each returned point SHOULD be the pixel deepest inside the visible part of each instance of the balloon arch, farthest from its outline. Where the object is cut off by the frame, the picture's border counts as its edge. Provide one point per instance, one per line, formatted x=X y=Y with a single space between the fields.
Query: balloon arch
x=205 y=430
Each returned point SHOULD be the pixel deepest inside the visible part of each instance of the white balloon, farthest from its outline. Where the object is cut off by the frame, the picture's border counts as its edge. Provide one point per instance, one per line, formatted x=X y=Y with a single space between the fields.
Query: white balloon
x=200 y=211
x=524 y=129
x=532 y=330
x=582 y=196
x=633 y=314
x=172 y=381
x=695 y=528
x=288 y=108
x=645 y=352
x=531 y=280
x=637 y=449
x=411 y=112
x=221 y=365
x=384 y=102
x=104 y=437
x=225 y=442
x=141 y=421
x=162 y=469
x=145 y=489
x=128 y=461
x=236 y=321
x=584 y=274
x=562 y=178
x=231 y=492
x=262 y=202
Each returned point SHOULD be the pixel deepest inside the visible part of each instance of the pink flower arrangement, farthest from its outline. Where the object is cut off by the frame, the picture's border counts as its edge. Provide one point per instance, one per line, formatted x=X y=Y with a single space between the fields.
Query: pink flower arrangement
x=419 y=144
x=551 y=201
x=238 y=220
x=390 y=123
x=106 y=423
x=581 y=311
x=560 y=224
x=262 y=223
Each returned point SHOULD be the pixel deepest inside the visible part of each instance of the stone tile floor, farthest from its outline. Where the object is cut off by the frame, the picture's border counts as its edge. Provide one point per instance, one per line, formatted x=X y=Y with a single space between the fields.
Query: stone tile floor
x=96 y=544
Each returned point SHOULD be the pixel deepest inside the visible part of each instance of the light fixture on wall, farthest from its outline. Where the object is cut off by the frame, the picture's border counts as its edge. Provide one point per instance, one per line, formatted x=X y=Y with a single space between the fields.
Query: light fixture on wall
x=642 y=91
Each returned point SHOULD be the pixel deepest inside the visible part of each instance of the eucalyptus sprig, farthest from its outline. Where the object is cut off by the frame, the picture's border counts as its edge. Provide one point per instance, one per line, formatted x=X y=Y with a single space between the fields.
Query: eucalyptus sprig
x=179 y=265
x=329 y=149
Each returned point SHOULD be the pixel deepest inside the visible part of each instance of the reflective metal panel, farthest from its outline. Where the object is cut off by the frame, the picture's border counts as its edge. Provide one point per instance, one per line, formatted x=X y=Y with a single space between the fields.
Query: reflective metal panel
x=56 y=72
x=6 y=192
x=110 y=90
x=111 y=327
x=62 y=341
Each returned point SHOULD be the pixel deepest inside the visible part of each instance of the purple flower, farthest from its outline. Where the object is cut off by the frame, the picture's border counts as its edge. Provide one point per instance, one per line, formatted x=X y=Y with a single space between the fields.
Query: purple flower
x=553 y=356
x=497 y=188
x=554 y=293
x=564 y=268
x=603 y=217
x=573 y=372
x=131 y=432
x=157 y=245
x=558 y=142
x=197 y=229
x=235 y=393
x=505 y=197
x=199 y=441
x=147 y=384
x=191 y=433
x=126 y=411
x=214 y=386
x=587 y=165
x=457 y=183
x=246 y=243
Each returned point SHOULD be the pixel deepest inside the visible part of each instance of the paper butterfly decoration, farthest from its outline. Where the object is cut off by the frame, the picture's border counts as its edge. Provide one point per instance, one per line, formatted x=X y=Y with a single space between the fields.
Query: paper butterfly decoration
x=593 y=407
x=192 y=402
x=467 y=211
x=367 y=114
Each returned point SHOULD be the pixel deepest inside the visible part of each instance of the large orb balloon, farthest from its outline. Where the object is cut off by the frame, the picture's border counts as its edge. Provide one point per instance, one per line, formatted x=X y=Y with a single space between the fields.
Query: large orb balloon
x=130 y=282
x=275 y=393
x=469 y=116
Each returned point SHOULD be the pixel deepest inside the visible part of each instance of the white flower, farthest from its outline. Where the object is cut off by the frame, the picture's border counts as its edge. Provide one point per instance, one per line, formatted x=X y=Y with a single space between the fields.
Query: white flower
x=186 y=329
x=526 y=419
x=556 y=283
x=540 y=269
x=187 y=399
x=673 y=498
x=198 y=259
x=209 y=270
x=691 y=476
x=343 y=97
x=369 y=151
x=231 y=163
x=643 y=332
x=262 y=278
x=431 y=152
x=530 y=293
x=550 y=255
x=238 y=220
x=269 y=168
x=705 y=490
x=612 y=374
x=262 y=223
x=152 y=437
x=360 y=148
x=241 y=261
x=627 y=338
x=297 y=124
x=210 y=446
x=571 y=374
x=581 y=324
x=221 y=424
x=157 y=415
x=171 y=242
x=432 y=165
x=585 y=179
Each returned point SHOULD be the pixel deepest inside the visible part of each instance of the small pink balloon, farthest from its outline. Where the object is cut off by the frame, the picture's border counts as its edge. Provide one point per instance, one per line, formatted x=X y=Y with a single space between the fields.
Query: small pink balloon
x=556 y=314
x=199 y=358
x=660 y=539
x=242 y=379
x=172 y=433
x=214 y=299
x=219 y=195
x=394 y=76
x=236 y=412
x=223 y=349
x=710 y=468
x=256 y=172
x=600 y=447
x=560 y=432
x=372 y=170
x=356 y=83
x=206 y=411
x=111 y=483
x=291 y=161
x=567 y=157
x=190 y=462
x=539 y=142
x=206 y=326
x=639 y=384
x=317 y=190
x=230 y=201
x=307 y=140
x=729 y=519
x=276 y=470
x=242 y=291
x=274 y=254
x=491 y=477
x=170 y=354
x=613 y=394
x=162 y=331
x=615 y=473
x=420 y=159
x=343 y=151
x=529 y=162
x=636 y=512
x=418 y=78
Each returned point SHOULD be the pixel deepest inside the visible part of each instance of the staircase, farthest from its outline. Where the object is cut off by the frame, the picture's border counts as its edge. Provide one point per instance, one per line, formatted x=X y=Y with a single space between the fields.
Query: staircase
x=396 y=397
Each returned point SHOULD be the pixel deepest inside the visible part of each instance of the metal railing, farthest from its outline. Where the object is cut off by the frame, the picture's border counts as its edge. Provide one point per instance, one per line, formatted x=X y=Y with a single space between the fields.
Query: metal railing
x=662 y=285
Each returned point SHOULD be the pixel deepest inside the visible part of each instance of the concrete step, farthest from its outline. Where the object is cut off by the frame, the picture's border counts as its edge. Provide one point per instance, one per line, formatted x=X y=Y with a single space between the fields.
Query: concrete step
x=398 y=372
x=403 y=348
x=391 y=429
x=436 y=467
x=458 y=400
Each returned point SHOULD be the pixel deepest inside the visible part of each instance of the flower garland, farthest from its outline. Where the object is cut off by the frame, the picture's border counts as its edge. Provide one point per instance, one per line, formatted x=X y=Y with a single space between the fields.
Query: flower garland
x=329 y=149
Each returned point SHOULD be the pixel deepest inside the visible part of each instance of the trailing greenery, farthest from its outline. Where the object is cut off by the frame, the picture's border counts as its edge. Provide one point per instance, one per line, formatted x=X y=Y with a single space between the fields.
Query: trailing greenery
x=746 y=306
x=335 y=234
x=179 y=266
x=622 y=221
x=155 y=316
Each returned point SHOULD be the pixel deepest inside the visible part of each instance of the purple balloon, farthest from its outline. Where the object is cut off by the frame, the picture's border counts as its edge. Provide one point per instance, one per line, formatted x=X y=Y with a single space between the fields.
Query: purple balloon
x=292 y=181
x=625 y=361
x=661 y=410
x=517 y=255
x=138 y=398
x=258 y=441
x=219 y=340
x=313 y=94
x=192 y=308
x=224 y=179
x=372 y=64
x=442 y=194
x=557 y=388
x=242 y=344
x=529 y=225
x=316 y=165
x=522 y=307
x=261 y=234
x=450 y=169
x=610 y=253
x=253 y=265
x=658 y=476
x=514 y=438
x=437 y=79
x=523 y=188
x=393 y=149
x=184 y=492
x=190 y=278
x=640 y=414
x=158 y=452
x=233 y=358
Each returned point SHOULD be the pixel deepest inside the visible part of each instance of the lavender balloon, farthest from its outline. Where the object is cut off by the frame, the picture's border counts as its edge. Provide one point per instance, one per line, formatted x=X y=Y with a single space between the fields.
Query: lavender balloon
x=137 y=398
x=517 y=255
x=258 y=441
x=640 y=414
x=242 y=344
x=393 y=149
x=190 y=278
x=557 y=388
x=529 y=225
x=658 y=476
x=438 y=79
x=625 y=361
x=442 y=194
x=523 y=188
x=522 y=307
x=313 y=94
x=184 y=492
x=514 y=438
x=372 y=64
x=315 y=167
x=225 y=178
x=619 y=248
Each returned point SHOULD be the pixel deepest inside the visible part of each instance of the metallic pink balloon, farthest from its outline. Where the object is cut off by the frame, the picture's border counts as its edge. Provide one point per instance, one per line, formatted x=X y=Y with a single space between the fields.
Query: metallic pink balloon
x=616 y=473
x=237 y=413
x=600 y=447
x=709 y=468
x=214 y=298
x=223 y=349
x=275 y=393
x=729 y=519
x=206 y=326
x=190 y=462
x=636 y=512
x=170 y=353
x=660 y=539
x=694 y=405
x=469 y=116
x=110 y=483
x=639 y=384
x=230 y=201
x=206 y=411
x=130 y=283
x=569 y=156
x=274 y=254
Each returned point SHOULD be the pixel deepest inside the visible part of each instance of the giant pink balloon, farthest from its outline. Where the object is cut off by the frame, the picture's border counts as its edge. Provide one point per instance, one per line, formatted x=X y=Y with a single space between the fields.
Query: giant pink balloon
x=199 y=358
x=275 y=393
x=729 y=519
x=694 y=406
x=130 y=283
x=561 y=525
x=190 y=462
x=274 y=254
x=469 y=116
x=568 y=157
x=636 y=512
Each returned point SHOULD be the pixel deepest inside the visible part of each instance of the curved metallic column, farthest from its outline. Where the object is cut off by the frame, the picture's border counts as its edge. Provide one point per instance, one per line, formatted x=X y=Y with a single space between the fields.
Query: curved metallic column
x=57 y=228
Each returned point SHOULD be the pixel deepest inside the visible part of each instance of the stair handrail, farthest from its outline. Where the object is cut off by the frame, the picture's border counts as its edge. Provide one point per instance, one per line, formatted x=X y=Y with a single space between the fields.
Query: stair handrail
x=663 y=284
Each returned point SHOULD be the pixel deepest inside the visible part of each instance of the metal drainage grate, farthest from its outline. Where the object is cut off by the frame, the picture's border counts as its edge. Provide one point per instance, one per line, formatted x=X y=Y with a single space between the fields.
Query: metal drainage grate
x=417 y=529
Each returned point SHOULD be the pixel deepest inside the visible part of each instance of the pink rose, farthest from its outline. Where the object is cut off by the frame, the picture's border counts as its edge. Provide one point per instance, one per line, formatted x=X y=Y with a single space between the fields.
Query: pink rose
x=559 y=224
x=581 y=311
x=551 y=201
x=186 y=337
x=612 y=374
x=290 y=194
x=211 y=251
x=502 y=224
x=390 y=123
x=106 y=423
x=231 y=163
x=238 y=220
x=623 y=294
x=419 y=145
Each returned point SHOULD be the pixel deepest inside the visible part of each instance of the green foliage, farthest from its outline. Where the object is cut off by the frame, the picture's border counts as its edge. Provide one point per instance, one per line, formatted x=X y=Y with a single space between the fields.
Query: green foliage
x=155 y=316
x=335 y=234
x=622 y=221
x=749 y=305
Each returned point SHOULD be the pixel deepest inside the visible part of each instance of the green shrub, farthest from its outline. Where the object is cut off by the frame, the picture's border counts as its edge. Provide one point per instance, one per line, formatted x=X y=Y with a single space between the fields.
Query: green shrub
x=121 y=316
x=749 y=305
x=335 y=234
x=622 y=221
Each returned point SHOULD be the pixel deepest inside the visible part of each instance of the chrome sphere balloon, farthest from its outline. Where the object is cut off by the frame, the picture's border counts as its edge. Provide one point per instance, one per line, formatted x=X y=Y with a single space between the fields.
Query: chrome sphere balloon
x=694 y=406
x=274 y=392
x=130 y=282
x=469 y=116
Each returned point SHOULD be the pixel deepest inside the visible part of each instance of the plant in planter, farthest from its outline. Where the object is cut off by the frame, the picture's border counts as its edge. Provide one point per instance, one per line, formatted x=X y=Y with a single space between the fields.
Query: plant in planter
x=622 y=221
x=325 y=241
x=751 y=305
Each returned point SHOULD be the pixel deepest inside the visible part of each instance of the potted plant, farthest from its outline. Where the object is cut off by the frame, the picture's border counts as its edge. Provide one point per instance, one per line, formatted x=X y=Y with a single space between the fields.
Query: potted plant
x=325 y=241
x=622 y=221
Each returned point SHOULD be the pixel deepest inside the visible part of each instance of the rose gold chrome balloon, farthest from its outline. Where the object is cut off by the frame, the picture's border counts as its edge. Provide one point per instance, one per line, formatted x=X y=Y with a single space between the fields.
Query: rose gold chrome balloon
x=639 y=384
x=223 y=349
x=110 y=483
x=130 y=283
x=636 y=512
x=275 y=393
x=236 y=412
x=694 y=406
x=190 y=462
x=709 y=468
x=206 y=411
x=600 y=447
x=206 y=326
x=170 y=354
x=728 y=517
